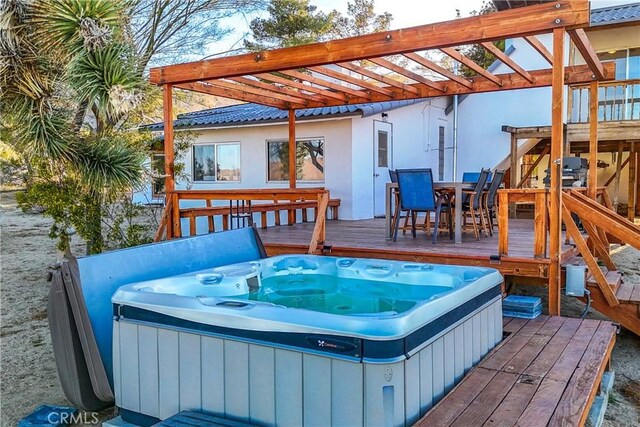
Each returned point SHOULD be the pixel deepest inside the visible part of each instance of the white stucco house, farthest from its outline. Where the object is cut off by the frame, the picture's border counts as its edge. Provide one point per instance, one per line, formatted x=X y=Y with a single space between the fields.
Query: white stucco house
x=349 y=149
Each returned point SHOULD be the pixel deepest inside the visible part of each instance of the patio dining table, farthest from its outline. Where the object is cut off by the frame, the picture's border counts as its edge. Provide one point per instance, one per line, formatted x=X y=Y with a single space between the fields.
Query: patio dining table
x=452 y=187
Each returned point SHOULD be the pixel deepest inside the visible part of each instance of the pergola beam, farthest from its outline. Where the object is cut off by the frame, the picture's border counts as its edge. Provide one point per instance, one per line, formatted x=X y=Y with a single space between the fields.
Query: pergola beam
x=471 y=64
x=438 y=69
x=381 y=62
x=507 y=61
x=581 y=41
x=507 y=24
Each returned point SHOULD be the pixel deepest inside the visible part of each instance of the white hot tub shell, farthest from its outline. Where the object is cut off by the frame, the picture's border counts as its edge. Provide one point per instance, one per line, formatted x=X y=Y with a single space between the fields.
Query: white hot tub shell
x=278 y=367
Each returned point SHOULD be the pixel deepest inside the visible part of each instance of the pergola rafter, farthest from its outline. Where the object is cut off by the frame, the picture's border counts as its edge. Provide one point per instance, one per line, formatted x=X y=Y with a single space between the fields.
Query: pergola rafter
x=540 y=48
x=381 y=62
x=454 y=54
x=353 y=80
x=438 y=69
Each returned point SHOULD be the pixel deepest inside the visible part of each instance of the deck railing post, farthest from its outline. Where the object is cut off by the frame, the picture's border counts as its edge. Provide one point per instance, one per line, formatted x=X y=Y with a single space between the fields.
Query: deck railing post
x=176 y=226
x=540 y=226
x=503 y=223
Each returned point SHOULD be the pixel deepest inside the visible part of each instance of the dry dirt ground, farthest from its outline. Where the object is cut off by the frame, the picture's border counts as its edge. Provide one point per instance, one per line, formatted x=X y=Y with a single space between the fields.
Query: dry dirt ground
x=28 y=372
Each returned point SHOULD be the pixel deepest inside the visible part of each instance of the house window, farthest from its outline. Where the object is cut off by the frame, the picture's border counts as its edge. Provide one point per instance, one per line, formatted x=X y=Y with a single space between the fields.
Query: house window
x=216 y=162
x=441 y=153
x=157 y=172
x=309 y=156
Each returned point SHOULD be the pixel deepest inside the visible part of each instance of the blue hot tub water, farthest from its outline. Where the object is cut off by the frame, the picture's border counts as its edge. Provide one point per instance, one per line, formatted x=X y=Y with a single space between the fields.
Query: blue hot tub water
x=335 y=295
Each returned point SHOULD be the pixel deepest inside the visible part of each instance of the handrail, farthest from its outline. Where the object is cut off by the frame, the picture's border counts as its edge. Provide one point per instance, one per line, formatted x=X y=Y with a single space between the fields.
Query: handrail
x=617 y=100
x=296 y=198
x=537 y=196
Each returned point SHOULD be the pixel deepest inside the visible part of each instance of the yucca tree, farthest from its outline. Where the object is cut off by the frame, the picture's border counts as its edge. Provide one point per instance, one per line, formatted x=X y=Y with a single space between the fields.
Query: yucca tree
x=63 y=59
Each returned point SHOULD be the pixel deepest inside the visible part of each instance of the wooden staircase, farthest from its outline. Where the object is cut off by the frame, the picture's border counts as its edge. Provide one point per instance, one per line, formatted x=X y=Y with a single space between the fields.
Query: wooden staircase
x=609 y=294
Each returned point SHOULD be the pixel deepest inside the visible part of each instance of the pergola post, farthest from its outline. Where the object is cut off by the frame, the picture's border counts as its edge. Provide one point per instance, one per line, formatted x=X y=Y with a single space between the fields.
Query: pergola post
x=555 y=189
x=169 y=179
x=593 y=140
x=292 y=149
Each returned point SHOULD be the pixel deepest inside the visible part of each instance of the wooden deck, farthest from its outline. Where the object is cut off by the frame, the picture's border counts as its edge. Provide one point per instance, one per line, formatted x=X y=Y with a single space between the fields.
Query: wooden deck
x=366 y=238
x=545 y=373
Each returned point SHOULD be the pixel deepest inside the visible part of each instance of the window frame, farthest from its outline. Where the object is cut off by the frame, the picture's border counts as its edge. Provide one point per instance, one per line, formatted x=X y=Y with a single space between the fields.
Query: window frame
x=312 y=181
x=215 y=153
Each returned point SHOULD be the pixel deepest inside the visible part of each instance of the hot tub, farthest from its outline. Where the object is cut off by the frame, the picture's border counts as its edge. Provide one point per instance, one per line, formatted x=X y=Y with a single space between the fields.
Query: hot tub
x=302 y=340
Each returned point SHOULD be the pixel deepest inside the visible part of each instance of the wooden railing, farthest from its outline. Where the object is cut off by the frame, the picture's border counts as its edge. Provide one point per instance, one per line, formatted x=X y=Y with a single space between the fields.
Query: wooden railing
x=539 y=198
x=617 y=100
x=601 y=224
x=241 y=204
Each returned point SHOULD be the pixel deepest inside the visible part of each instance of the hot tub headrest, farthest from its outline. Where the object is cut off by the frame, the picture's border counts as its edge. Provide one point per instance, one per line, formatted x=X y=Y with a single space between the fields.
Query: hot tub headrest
x=295 y=263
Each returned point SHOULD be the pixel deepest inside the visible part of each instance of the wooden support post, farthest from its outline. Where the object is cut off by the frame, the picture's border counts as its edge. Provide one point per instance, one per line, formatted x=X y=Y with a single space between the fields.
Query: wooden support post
x=169 y=180
x=540 y=226
x=175 y=216
x=631 y=199
x=319 y=230
x=503 y=224
x=616 y=188
x=555 y=189
x=513 y=171
x=292 y=149
x=593 y=140
x=210 y=221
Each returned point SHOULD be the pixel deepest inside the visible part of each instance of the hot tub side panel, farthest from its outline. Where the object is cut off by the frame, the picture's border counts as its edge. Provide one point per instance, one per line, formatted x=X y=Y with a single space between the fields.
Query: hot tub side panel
x=160 y=371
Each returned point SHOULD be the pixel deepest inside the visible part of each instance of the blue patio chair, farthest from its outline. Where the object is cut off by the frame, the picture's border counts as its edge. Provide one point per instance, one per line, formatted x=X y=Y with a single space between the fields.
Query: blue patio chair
x=472 y=203
x=474 y=176
x=490 y=200
x=417 y=195
x=397 y=211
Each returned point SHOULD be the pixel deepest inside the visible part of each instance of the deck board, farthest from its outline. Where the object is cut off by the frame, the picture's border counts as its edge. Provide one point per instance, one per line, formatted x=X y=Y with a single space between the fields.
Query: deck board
x=370 y=233
x=546 y=372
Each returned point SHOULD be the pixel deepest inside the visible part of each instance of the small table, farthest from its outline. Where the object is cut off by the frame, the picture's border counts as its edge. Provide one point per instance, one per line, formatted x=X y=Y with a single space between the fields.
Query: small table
x=454 y=187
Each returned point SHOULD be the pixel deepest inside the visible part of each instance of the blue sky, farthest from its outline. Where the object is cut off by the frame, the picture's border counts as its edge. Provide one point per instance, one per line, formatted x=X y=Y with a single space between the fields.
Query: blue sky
x=406 y=13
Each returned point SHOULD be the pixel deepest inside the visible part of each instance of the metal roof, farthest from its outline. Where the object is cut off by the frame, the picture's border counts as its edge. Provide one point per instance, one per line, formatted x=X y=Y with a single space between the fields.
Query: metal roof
x=620 y=13
x=601 y=16
x=234 y=115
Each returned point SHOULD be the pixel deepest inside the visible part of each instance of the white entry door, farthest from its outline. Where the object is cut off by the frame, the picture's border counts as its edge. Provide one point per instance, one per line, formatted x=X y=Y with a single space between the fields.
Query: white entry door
x=382 y=162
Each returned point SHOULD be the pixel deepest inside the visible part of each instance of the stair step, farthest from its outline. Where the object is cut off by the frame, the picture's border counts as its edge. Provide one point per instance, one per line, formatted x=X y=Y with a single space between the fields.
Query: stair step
x=629 y=293
x=576 y=260
x=614 y=278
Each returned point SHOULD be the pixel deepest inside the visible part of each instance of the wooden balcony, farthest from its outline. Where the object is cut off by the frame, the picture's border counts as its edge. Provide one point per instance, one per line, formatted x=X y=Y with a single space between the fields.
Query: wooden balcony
x=618 y=100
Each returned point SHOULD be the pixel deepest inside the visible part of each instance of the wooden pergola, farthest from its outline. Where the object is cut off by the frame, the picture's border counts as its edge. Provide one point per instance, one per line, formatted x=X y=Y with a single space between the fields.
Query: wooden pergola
x=331 y=74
